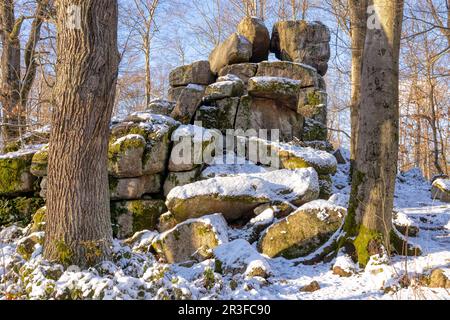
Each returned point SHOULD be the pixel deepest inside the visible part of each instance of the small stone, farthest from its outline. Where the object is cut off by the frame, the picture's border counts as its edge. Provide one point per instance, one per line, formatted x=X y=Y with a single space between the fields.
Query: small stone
x=313 y=286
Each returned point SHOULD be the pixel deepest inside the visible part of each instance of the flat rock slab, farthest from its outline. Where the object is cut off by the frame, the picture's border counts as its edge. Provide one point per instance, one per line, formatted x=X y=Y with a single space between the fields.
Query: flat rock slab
x=235 y=49
x=198 y=72
x=236 y=197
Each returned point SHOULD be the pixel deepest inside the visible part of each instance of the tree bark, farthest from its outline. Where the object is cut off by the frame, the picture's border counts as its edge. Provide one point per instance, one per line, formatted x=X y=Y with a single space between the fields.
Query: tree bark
x=78 y=228
x=358 y=26
x=370 y=209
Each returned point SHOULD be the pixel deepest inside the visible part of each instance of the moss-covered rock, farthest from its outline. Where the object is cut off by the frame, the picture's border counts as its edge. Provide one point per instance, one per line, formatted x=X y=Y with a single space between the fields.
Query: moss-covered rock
x=125 y=156
x=283 y=90
x=26 y=246
x=314 y=130
x=38 y=221
x=291 y=156
x=197 y=73
x=19 y=209
x=226 y=87
x=236 y=197
x=303 y=231
x=15 y=175
x=39 y=162
x=220 y=114
x=312 y=103
x=192 y=240
x=307 y=75
x=159 y=106
x=326 y=187
x=134 y=188
x=177 y=179
x=166 y=221
x=129 y=217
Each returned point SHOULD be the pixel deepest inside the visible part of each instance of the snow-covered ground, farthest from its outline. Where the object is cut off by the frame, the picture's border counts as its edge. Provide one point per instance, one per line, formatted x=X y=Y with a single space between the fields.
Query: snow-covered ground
x=135 y=274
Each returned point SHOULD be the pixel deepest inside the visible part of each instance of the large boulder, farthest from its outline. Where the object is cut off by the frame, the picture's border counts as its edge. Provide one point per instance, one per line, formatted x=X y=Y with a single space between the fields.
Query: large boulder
x=129 y=217
x=226 y=87
x=134 y=188
x=243 y=71
x=15 y=175
x=235 y=49
x=198 y=72
x=283 y=90
x=294 y=157
x=239 y=257
x=236 y=197
x=174 y=93
x=125 y=156
x=260 y=113
x=303 y=42
x=441 y=189
x=219 y=114
x=303 y=231
x=257 y=33
x=188 y=102
x=193 y=239
x=307 y=75
x=156 y=130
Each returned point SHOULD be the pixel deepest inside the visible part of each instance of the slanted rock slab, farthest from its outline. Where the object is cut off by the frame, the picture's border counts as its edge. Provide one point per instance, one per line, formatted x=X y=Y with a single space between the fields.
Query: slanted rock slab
x=303 y=231
x=441 y=189
x=235 y=49
x=193 y=239
x=197 y=72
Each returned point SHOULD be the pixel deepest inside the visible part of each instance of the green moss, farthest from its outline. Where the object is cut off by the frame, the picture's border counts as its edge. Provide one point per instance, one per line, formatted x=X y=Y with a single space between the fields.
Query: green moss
x=11 y=171
x=365 y=238
x=39 y=220
x=313 y=98
x=64 y=253
x=208 y=278
x=350 y=226
x=146 y=214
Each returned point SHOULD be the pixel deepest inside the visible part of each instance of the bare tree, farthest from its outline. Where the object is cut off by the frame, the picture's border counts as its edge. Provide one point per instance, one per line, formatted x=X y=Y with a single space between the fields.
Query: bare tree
x=15 y=82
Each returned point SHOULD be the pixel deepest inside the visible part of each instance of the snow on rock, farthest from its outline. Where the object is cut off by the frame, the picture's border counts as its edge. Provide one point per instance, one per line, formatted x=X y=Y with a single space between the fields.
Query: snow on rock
x=237 y=196
x=294 y=157
x=192 y=239
x=303 y=231
x=230 y=164
x=195 y=133
x=239 y=256
x=441 y=189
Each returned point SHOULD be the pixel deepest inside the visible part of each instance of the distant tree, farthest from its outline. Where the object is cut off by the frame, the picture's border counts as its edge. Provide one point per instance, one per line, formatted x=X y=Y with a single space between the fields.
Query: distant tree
x=16 y=82
x=78 y=226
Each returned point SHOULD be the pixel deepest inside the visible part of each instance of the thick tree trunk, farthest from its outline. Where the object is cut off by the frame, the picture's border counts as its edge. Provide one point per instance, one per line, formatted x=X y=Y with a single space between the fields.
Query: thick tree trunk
x=13 y=115
x=358 y=26
x=78 y=228
x=371 y=203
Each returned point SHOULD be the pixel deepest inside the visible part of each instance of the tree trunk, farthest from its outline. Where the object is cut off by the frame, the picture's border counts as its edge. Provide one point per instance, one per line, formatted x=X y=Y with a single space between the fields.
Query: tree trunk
x=358 y=26
x=371 y=202
x=78 y=228
x=13 y=115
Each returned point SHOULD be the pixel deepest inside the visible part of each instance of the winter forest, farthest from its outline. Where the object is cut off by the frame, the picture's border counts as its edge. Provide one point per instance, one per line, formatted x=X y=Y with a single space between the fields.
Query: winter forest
x=224 y=150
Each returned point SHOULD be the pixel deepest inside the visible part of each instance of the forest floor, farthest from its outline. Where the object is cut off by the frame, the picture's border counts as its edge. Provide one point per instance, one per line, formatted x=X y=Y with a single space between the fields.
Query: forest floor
x=135 y=274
